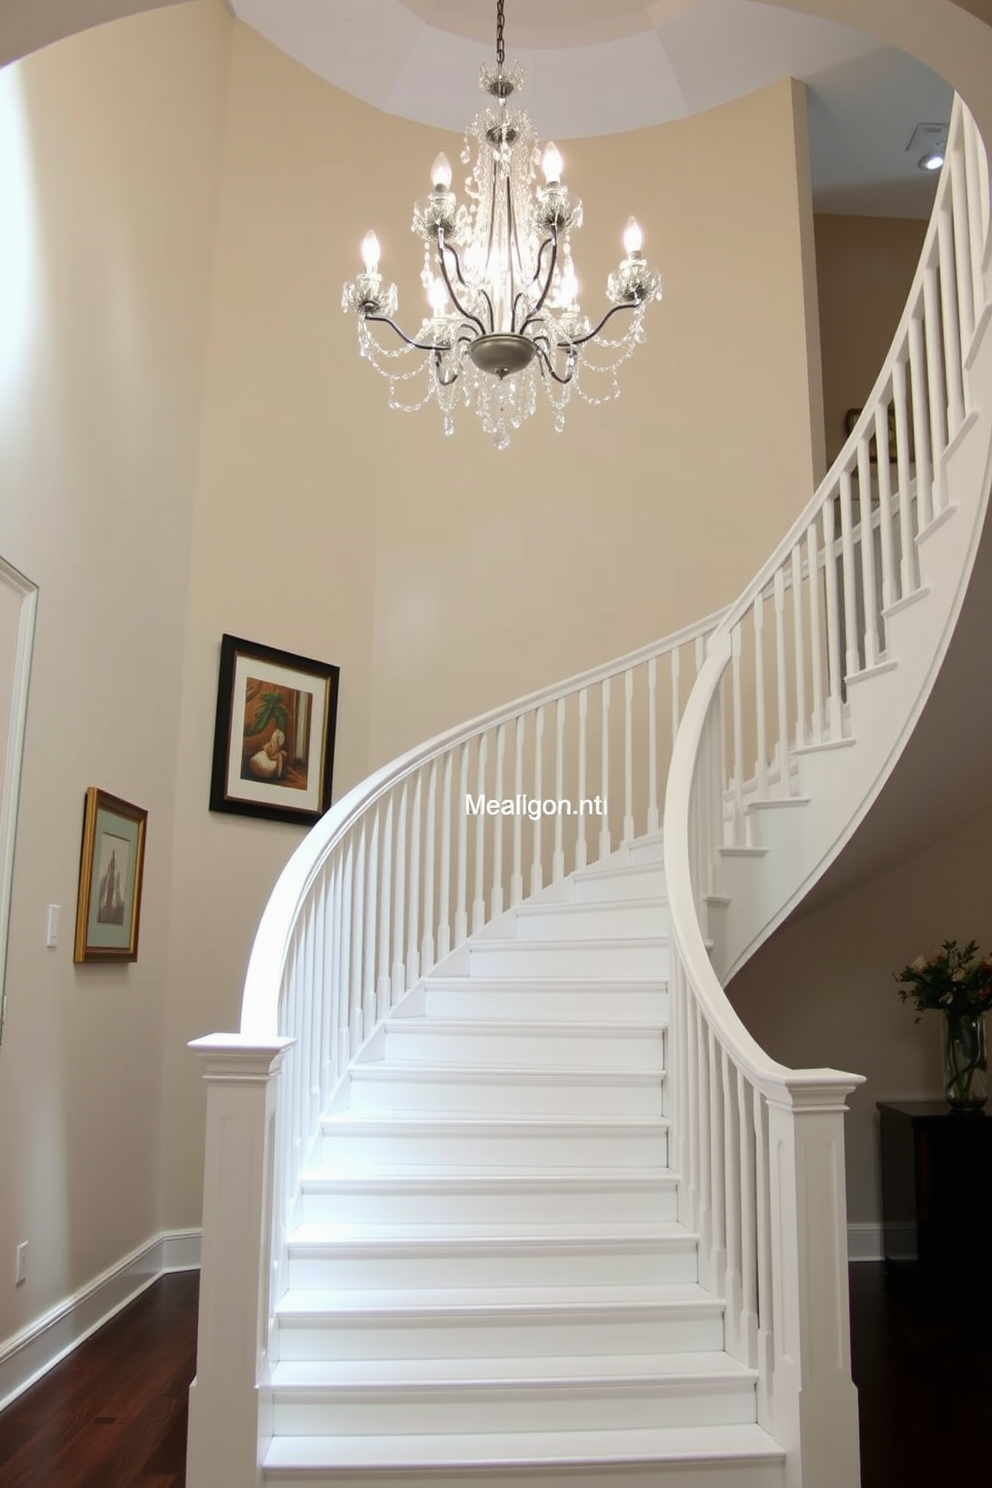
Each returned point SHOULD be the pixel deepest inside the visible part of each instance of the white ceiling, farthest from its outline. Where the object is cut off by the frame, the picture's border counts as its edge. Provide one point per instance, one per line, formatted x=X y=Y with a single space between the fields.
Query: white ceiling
x=605 y=66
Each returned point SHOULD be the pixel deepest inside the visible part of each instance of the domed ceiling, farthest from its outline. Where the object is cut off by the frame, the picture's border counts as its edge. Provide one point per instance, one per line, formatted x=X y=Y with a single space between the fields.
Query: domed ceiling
x=606 y=66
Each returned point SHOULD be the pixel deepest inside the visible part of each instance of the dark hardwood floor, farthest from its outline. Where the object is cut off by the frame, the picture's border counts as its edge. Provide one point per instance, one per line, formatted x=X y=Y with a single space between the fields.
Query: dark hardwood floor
x=113 y=1415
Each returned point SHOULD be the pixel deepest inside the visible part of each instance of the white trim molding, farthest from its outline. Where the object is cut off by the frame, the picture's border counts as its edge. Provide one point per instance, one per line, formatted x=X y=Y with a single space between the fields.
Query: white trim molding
x=28 y=1355
x=864 y=1242
x=17 y=713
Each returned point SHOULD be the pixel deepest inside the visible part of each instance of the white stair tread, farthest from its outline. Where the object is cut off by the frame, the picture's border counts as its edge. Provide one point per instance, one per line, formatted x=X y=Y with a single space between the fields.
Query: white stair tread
x=493 y=943
x=482 y=1026
x=567 y=1448
x=562 y=983
x=609 y=1368
x=415 y=1179
x=581 y=1124
x=523 y=1074
x=590 y=906
x=300 y=1302
x=550 y=1237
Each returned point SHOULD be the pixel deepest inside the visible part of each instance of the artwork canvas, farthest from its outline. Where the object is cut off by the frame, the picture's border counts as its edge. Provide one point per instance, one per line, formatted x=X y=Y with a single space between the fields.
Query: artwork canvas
x=273 y=733
x=108 y=908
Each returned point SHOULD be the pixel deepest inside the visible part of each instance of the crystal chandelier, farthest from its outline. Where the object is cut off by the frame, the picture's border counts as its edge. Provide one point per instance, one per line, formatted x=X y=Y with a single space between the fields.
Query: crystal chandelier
x=504 y=312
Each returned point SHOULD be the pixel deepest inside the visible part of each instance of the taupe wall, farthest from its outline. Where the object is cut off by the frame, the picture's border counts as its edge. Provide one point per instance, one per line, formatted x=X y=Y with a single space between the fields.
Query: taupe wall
x=821 y=991
x=865 y=267
x=109 y=165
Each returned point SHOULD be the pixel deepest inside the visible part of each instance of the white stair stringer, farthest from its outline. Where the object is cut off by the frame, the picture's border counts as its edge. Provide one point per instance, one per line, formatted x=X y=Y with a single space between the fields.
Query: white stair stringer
x=487 y=1279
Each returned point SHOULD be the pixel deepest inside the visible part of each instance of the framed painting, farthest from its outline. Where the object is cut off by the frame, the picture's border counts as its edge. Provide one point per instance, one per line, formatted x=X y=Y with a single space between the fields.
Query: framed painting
x=274 y=733
x=110 y=870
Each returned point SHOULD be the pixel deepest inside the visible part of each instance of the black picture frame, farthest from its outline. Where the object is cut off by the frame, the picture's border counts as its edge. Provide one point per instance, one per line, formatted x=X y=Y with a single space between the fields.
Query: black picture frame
x=274 y=733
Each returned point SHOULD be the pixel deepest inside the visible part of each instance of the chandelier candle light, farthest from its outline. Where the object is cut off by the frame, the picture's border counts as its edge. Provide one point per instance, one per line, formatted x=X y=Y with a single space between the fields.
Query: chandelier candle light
x=500 y=283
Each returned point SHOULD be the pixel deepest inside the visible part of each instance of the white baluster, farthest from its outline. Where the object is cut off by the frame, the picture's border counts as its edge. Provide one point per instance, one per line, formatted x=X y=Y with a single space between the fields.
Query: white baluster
x=581 y=849
x=479 y=901
x=371 y=910
x=936 y=396
x=921 y=426
x=385 y=911
x=517 y=877
x=962 y=261
x=748 y=1213
x=718 y=1229
x=705 y=1151
x=852 y=657
x=558 y=861
x=497 y=889
x=676 y=676
x=604 y=831
x=341 y=1041
x=427 y=944
x=781 y=695
x=628 y=755
x=976 y=227
x=907 y=535
x=444 y=870
x=952 y=330
x=413 y=915
x=833 y=622
x=815 y=631
x=884 y=467
x=348 y=989
x=799 y=643
x=461 y=862
x=760 y=705
x=763 y=1243
x=537 y=867
x=731 y=1204
x=357 y=933
x=738 y=836
x=654 y=818
x=868 y=585
x=398 y=973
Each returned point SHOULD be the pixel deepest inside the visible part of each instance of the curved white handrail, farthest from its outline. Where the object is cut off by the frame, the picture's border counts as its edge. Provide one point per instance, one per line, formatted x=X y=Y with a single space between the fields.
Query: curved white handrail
x=260 y=1001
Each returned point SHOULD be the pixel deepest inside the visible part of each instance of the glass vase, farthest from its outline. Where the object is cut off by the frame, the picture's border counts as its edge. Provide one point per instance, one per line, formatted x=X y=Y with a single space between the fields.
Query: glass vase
x=966 y=1076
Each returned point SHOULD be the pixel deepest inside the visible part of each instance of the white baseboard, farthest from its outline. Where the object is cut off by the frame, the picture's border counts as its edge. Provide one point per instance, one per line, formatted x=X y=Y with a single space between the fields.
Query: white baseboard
x=864 y=1242
x=28 y=1355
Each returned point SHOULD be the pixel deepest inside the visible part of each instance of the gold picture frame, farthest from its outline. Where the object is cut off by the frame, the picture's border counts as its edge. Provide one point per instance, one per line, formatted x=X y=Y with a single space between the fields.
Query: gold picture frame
x=112 y=858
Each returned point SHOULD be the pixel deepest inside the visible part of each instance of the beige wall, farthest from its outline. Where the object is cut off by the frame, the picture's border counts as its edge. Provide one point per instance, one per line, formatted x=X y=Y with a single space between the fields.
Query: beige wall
x=865 y=266
x=443 y=576
x=109 y=166
x=821 y=992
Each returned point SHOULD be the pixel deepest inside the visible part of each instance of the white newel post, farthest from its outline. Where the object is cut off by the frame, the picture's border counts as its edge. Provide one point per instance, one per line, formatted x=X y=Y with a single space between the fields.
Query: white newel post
x=225 y=1402
x=814 y=1403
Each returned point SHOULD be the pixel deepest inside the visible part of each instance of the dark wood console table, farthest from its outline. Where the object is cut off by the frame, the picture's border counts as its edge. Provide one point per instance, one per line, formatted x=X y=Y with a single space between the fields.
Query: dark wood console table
x=937 y=1196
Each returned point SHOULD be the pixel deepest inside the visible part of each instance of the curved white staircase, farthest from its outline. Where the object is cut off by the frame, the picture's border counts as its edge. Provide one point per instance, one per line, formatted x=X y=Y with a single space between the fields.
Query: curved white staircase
x=498 y=1188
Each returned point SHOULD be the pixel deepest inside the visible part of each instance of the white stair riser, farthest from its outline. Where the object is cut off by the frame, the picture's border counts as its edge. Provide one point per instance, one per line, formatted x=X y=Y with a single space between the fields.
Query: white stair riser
x=597 y=886
x=421 y=1043
x=591 y=921
x=600 y=960
x=380 y=1089
x=488 y=1267
x=643 y=1330
x=677 y=1474
x=470 y=1149
x=523 y=1206
x=559 y=1001
x=373 y=1412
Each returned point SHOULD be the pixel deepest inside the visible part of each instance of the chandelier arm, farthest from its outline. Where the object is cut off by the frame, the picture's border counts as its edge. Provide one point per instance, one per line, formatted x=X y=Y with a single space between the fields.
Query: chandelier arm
x=545 y=362
x=445 y=381
x=444 y=248
x=417 y=345
x=581 y=340
x=536 y=311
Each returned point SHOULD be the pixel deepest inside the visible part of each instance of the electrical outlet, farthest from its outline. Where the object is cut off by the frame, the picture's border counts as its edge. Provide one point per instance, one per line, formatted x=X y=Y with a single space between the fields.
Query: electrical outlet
x=21 y=1264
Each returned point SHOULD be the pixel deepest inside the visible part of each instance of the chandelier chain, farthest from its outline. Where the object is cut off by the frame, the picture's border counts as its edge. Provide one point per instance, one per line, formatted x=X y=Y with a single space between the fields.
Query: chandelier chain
x=500 y=48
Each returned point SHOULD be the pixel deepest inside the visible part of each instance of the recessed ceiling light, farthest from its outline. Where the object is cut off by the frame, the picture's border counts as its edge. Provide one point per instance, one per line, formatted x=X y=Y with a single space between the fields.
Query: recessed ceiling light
x=932 y=161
